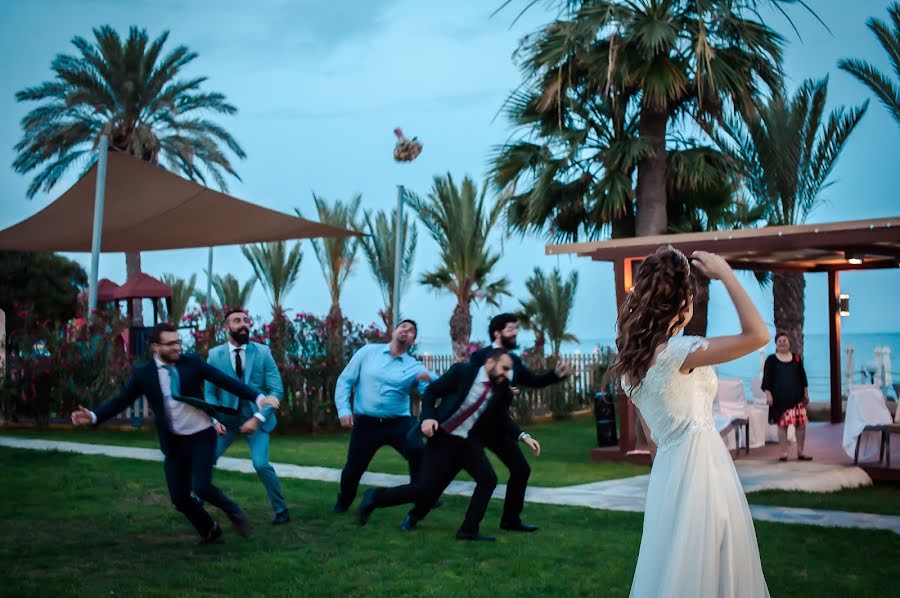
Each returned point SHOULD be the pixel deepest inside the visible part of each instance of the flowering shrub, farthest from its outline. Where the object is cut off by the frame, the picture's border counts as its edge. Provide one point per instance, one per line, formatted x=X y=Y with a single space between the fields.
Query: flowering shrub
x=310 y=372
x=304 y=348
x=53 y=368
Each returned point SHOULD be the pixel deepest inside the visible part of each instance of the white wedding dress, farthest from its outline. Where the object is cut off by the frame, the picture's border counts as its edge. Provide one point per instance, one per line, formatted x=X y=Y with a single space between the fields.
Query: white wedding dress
x=698 y=539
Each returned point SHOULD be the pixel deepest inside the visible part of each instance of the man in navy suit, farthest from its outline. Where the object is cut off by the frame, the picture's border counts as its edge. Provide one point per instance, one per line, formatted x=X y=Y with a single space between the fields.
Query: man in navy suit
x=187 y=435
x=503 y=330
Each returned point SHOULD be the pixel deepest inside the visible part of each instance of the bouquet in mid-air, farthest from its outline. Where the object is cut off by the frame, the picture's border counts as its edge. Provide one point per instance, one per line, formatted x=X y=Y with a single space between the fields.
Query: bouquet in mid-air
x=406 y=150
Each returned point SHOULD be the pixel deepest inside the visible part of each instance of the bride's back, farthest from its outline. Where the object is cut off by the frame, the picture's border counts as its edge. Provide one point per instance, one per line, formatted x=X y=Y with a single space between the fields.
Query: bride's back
x=673 y=403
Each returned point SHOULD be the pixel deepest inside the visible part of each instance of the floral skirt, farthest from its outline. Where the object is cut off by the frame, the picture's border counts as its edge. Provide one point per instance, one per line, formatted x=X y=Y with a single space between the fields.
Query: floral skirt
x=795 y=416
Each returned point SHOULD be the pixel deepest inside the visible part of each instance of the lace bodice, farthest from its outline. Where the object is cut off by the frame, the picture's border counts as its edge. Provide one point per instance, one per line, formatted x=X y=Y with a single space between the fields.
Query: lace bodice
x=675 y=404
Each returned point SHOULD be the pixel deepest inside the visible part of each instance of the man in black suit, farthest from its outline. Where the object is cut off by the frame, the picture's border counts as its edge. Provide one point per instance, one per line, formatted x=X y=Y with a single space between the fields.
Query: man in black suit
x=503 y=330
x=187 y=435
x=473 y=402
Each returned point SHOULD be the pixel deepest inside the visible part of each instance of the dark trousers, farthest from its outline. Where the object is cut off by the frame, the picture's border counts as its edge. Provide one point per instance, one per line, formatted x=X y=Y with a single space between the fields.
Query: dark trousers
x=508 y=451
x=445 y=456
x=370 y=434
x=189 y=465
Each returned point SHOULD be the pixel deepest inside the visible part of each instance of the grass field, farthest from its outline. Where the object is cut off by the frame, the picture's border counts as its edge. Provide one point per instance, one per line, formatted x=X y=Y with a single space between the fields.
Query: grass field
x=564 y=461
x=92 y=526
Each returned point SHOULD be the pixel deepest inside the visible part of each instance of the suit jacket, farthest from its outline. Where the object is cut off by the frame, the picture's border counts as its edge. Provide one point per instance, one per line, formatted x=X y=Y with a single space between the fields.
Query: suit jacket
x=522 y=376
x=260 y=372
x=144 y=381
x=444 y=396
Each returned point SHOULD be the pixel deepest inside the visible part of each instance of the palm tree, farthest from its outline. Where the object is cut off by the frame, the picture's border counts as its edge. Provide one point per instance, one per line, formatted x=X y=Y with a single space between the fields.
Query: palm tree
x=528 y=320
x=460 y=223
x=277 y=268
x=881 y=85
x=549 y=306
x=656 y=61
x=338 y=254
x=230 y=291
x=786 y=153
x=182 y=291
x=704 y=194
x=132 y=92
x=379 y=247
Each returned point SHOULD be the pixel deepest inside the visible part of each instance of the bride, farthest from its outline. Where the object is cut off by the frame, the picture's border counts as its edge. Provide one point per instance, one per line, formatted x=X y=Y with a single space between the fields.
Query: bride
x=698 y=537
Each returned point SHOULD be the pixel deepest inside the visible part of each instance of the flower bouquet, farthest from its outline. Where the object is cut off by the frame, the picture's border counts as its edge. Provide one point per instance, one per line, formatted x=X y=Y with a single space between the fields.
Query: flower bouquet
x=406 y=150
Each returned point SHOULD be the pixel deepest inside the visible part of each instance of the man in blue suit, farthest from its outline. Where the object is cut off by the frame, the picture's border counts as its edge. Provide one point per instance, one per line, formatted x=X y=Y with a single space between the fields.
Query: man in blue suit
x=172 y=383
x=252 y=364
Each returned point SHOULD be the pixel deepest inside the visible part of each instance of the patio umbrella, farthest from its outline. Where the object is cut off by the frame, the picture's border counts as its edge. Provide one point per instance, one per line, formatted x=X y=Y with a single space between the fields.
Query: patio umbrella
x=762 y=362
x=850 y=366
x=886 y=366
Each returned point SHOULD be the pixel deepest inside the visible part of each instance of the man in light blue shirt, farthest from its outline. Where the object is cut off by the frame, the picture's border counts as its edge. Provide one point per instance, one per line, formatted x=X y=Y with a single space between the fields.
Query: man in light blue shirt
x=381 y=377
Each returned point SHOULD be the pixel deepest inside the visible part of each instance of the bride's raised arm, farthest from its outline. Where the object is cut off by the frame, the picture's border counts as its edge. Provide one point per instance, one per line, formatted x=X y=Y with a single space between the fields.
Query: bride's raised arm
x=754 y=333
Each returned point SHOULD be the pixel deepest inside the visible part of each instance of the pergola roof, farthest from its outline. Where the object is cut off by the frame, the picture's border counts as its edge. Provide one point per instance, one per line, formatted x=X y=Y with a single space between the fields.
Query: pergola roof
x=149 y=208
x=142 y=286
x=105 y=290
x=803 y=248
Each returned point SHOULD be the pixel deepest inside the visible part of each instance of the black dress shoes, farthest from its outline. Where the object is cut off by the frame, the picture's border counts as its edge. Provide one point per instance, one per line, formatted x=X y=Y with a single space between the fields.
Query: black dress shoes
x=474 y=536
x=366 y=506
x=241 y=524
x=339 y=506
x=214 y=534
x=409 y=524
x=518 y=527
x=281 y=517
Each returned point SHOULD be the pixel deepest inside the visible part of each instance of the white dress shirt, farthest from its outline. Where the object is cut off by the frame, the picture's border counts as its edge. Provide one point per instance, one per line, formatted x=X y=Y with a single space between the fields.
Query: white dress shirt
x=183 y=419
x=482 y=381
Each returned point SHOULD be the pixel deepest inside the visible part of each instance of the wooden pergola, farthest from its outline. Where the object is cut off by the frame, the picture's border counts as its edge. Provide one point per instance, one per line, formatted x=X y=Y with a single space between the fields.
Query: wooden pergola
x=832 y=247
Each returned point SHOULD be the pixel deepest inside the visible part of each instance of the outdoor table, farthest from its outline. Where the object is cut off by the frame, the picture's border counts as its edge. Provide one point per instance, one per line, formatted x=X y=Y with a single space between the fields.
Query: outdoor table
x=865 y=407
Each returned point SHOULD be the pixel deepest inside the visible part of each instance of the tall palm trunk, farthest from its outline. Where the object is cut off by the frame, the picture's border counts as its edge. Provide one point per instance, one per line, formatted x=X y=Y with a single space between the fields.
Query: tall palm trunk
x=133 y=268
x=698 y=324
x=461 y=330
x=651 y=178
x=788 y=299
x=335 y=330
x=623 y=225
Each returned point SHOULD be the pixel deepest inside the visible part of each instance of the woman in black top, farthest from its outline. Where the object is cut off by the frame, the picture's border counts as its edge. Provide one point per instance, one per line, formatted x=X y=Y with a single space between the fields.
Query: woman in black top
x=787 y=393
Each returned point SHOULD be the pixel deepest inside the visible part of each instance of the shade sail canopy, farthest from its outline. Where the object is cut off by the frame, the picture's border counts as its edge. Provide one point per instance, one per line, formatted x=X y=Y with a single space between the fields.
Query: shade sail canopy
x=826 y=247
x=149 y=208
x=142 y=286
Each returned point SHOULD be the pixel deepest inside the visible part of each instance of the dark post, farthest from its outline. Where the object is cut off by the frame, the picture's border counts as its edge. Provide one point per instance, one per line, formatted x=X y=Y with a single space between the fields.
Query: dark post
x=834 y=345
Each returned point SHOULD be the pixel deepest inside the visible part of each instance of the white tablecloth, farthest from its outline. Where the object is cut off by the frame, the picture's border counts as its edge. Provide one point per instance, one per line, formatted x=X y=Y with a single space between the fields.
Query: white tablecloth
x=865 y=407
x=731 y=402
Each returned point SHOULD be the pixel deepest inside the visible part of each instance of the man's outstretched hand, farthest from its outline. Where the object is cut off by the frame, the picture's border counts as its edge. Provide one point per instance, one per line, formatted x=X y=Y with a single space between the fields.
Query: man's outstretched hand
x=82 y=417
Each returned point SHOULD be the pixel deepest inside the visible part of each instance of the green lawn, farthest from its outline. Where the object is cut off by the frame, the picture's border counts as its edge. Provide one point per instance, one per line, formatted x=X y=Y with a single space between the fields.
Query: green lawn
x=564 y=460
x=92 y=526
x=884 y=500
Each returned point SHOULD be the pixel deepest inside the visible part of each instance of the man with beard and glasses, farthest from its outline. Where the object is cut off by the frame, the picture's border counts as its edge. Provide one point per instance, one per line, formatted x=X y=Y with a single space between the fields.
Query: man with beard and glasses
x=253 y=364
x=172 y=383
x=380 y=377
x=503 y=330
x=461 y=409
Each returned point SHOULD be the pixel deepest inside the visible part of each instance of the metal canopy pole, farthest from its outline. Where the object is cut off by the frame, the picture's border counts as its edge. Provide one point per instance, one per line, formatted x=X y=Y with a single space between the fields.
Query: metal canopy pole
x=99 y=196
x=398 y=255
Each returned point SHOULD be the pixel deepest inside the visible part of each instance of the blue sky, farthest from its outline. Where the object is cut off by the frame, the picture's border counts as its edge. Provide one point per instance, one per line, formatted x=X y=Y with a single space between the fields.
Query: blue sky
x=320 y=86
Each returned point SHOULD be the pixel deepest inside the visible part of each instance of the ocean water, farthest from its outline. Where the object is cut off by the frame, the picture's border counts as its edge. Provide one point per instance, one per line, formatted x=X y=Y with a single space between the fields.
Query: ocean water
x=749 y=367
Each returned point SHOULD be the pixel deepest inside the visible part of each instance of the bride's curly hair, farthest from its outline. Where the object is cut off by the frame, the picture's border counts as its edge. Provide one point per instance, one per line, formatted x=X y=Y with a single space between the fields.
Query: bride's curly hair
x=655 y=308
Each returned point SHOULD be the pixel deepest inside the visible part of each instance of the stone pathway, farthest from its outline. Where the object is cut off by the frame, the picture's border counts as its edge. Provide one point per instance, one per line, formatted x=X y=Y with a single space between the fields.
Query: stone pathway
x=617 y=495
